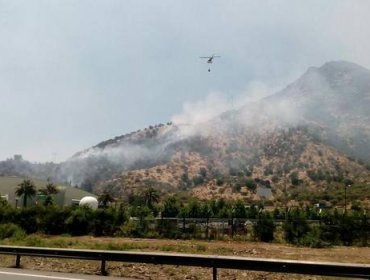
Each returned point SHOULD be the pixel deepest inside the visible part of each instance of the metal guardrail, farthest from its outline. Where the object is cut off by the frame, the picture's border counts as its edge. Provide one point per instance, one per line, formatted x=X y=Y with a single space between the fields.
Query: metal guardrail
x=208 y=261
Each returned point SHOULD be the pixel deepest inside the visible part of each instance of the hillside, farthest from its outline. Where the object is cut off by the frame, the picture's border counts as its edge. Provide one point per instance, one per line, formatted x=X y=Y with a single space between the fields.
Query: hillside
x=282 y=161
x=313 y=135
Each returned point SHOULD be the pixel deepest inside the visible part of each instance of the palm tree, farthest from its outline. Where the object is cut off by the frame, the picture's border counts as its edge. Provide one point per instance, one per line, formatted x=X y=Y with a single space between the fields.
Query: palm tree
x=27 y=189
x=49 y=190
x=150 y=196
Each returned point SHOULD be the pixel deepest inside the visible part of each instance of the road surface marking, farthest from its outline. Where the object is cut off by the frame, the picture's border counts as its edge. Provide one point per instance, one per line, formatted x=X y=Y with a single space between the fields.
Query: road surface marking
x=39 y=276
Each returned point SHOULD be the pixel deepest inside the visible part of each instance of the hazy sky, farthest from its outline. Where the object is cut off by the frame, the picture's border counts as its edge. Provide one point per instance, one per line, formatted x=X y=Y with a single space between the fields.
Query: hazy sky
x=74 y=73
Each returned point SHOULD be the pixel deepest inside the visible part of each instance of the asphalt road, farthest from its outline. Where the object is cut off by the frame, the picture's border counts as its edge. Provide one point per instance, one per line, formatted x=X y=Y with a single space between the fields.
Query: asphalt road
x=23 y=274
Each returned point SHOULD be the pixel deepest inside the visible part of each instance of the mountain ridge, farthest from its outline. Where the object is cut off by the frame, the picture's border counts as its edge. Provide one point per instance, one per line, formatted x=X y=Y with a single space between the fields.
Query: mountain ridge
x=325 y=111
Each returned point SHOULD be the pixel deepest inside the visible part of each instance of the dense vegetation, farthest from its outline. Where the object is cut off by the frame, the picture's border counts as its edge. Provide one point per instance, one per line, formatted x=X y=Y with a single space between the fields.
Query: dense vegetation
x=145 y=215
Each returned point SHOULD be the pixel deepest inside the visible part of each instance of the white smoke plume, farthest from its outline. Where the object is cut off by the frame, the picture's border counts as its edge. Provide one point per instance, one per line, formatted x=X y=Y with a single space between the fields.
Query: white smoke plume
x=215 y=103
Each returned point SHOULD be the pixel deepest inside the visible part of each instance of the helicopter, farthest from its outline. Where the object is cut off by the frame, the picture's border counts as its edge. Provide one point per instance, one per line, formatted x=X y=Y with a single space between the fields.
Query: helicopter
x=210 y=60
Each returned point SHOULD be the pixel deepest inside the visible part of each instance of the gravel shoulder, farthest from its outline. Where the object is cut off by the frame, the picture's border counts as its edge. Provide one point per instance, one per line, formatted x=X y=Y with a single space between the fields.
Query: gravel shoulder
x=142 y=271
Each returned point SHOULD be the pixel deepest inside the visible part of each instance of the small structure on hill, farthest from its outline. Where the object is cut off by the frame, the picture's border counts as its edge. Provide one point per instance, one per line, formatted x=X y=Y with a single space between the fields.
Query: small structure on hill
x=264 y=192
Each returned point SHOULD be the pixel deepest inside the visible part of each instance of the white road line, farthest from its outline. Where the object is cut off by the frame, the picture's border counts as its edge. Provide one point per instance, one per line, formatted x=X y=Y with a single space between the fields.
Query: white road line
x=39 y=276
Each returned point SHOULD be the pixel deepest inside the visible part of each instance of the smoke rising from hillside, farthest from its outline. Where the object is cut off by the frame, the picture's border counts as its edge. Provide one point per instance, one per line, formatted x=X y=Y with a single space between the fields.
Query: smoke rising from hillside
x=149 y=149
x=334 y=97
x=215 y=115
x=97 y=164
x=216 y=103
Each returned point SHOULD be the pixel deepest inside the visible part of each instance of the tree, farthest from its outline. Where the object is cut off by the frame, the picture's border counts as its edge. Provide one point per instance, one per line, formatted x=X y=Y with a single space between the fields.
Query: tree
x=27 y=189
x=198 y=180
x=194 y=209
x=49 y=190
x=3 y=202
x=239 y=210
x=294 y=179
x=206 y=210
x=150 y=197
x=250 y=184
x=203 y=172
x=104 y=222
x=80 y=221
x=264 y=228
x=295 y=227
x=171 y=207
x=104 y=198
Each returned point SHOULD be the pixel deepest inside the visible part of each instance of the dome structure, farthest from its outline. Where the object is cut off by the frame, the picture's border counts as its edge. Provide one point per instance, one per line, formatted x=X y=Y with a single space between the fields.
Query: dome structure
x=89 y=201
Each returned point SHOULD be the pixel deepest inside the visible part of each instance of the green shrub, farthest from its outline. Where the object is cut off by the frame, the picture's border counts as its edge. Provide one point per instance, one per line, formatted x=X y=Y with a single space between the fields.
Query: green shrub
x=201 y=248
x=11 y=231
x=349 y=229
x=7 y=213
x=168 y=248
x=132 y=228
x=264 y=228
x=169 y=228
x=34 y=241
x=313 y=239
x=198 y=180
x=80 y=221
x=104 y=223
x=294 y=179
x=295 y=227
x=250 y=184
x=26 y=218
x=53 y=220
x=60 y=243
x=220 y=181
